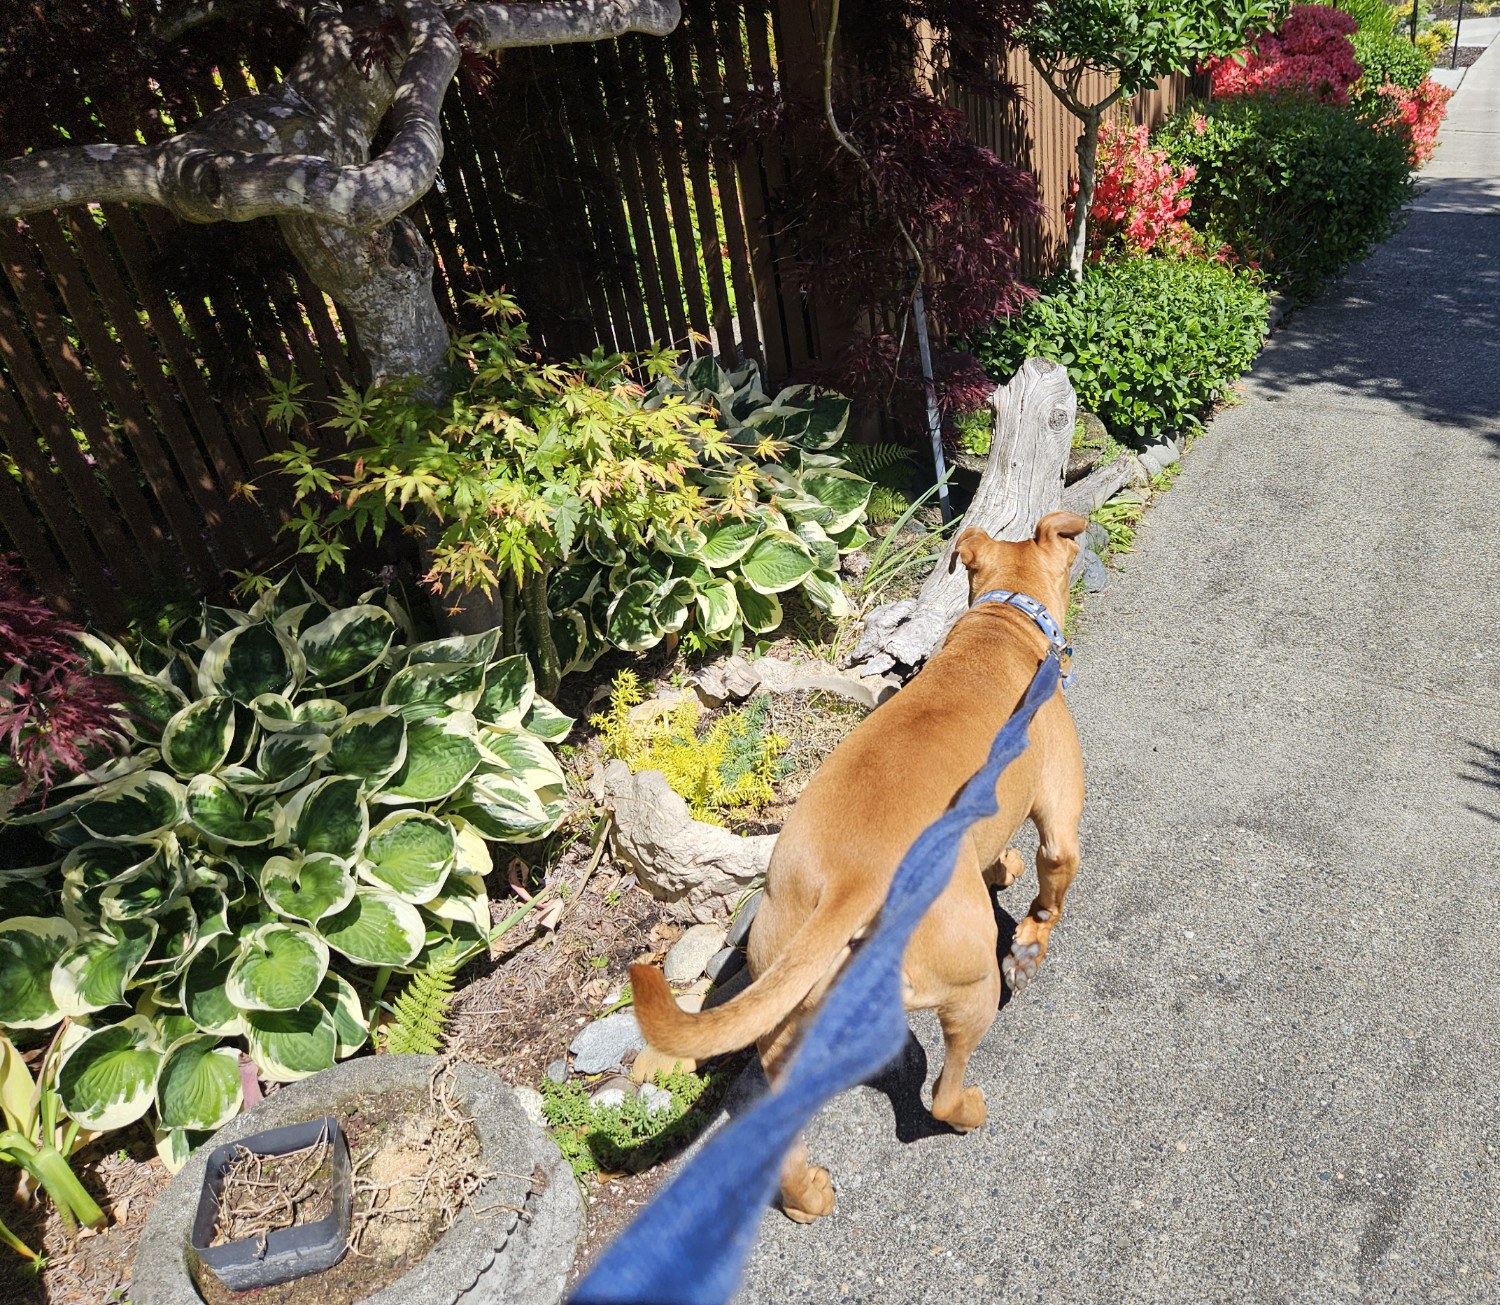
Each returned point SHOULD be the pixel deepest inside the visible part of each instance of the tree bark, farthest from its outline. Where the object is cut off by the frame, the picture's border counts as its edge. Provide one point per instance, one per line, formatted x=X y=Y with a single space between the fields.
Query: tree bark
x=1033 y=432
x=1078 y=233
x=300 y=154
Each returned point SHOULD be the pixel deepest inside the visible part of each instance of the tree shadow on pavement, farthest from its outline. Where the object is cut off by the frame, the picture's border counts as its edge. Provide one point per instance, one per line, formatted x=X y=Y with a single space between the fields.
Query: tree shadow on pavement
x=1484 y=770
x=1417 y=325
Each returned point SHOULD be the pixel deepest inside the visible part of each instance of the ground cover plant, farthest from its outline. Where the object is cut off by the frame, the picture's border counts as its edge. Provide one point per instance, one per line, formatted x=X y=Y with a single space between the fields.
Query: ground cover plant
x=610 y=502
x=1148 y=342
x=302 y=805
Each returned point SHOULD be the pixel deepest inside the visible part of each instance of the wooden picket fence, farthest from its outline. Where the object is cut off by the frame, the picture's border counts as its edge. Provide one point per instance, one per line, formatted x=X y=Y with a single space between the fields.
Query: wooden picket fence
x=596 y=183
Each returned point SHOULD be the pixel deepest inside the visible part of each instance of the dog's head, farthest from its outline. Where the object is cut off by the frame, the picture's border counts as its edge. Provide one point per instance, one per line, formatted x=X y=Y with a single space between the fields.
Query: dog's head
x=1038 y=566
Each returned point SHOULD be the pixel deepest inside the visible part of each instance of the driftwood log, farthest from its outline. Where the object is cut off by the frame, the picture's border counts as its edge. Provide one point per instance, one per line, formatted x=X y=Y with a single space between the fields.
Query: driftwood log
x=1033 y=432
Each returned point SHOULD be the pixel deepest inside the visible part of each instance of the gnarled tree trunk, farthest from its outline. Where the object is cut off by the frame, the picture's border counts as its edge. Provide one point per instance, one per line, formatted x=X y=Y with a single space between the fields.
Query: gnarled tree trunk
x=1023 y=481
x=301 y=153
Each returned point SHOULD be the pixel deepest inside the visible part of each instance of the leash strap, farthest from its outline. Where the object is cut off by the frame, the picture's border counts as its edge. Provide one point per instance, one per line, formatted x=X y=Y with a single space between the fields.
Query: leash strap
x=1044 y=622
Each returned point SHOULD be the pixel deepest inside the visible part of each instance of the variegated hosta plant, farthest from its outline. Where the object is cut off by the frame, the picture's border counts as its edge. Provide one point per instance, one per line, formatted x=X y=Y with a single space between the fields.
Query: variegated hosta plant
x=720 y=578
x=304 y=805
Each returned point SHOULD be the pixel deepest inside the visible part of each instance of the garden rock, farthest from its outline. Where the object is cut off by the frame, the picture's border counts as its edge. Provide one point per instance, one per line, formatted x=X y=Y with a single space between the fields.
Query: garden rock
x=699 y=870
x=1094 y=431
x=655 y=1099
x=609 y=1097
x=1094 y=573
x=504 y=1256
x=739 y=930
x=1095 y=539
x=531 y=1103
x=557 y=1071
x=692 y=952
x=724 y=964
x=604 y=1043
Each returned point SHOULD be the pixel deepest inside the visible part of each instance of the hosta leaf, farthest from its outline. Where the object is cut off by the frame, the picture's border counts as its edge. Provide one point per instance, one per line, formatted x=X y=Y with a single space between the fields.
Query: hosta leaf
x=370 y=744
x=855 y=537
x=250 y=660
x=218 y=811
x=275 y=714
x=632 y=617
x=108 y=1079
x=499 y=808
x=847 y=494
x=457 y=648
x=203 y=995
x=779 y=561
x=825 y=552
x=152 y=704
x=211 y=907
x=455 y=686
x=349 y=643
x=283 y=761
x=462 y=901
x=148 y=889
x=198 y=1085
x=529 y=760
x=336 y=995
x=91 y=975
x=729 y=542
x=287 y=1045
x=409 y=853
x=546 y=722
x=329 y=815
x=717 y=607
x=761 y=612
x=509 y=691
x=440 y=755
x=471 y=854
x=29 y=947
x=826 y=592
x=137 y=806
x=91 y=867
x=197 y=739
x=279 y=968
x=319 y=715
x=307 y=890
x=674 y=603
x=376 y=928
x=170 y=1025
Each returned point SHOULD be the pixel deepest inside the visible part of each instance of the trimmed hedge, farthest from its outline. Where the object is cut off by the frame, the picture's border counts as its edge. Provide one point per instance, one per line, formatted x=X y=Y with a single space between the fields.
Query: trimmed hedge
x=1148 y=342
x=1388 y=59
x=1300 y=188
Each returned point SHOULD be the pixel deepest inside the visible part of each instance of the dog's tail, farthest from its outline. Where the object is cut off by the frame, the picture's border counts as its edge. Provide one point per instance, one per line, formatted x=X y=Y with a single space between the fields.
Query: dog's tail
x=762 y=1006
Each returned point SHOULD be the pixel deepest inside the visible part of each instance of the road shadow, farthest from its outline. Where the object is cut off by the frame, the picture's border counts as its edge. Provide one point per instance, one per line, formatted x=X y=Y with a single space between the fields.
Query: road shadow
x=1417 y=324
x=1482 y=768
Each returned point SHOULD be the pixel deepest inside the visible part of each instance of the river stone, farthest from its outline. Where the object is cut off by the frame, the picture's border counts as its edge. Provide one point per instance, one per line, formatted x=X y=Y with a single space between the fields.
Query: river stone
x=557 y=1071
x=743 y=919
x=498 y=1258
x=604 y=1043
x=724 y=964
x=1095 y=573
x=692 y=952
x=655 y=1099
x=1095 y=539
x=609 y=1097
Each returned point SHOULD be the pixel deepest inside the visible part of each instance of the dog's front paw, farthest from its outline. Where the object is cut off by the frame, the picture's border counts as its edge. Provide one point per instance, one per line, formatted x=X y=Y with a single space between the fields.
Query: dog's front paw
x=969 y=1113
x=1019 y=968
x=812 y=1199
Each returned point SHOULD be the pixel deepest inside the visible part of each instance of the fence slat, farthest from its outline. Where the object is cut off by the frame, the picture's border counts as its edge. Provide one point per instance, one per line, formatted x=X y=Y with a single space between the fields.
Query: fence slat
x=36 y=554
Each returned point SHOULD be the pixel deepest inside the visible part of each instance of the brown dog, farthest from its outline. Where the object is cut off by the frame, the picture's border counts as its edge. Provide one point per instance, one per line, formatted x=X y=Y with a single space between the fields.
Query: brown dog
x=879 y=789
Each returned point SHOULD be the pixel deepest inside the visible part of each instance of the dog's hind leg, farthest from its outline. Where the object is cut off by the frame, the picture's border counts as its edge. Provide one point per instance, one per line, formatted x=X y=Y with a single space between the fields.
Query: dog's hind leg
x=965 y=1017
x=806 y=1190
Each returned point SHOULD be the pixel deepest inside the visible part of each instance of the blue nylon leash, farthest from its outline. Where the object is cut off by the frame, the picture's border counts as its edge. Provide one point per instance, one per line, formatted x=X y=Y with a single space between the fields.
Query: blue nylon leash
x=689 y=1246
x=1044 y=622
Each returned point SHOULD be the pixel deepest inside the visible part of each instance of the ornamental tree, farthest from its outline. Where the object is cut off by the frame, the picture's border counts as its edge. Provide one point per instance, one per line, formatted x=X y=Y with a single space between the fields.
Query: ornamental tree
x=1132 y=44
x=301 y=151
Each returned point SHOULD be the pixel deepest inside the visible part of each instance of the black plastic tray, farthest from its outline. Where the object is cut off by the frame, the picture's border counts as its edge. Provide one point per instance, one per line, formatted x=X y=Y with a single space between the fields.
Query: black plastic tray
x=289 y=1252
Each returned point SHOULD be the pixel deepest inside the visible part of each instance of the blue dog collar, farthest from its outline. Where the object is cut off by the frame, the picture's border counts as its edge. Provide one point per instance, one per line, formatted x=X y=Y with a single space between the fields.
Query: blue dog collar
x=1044 y=622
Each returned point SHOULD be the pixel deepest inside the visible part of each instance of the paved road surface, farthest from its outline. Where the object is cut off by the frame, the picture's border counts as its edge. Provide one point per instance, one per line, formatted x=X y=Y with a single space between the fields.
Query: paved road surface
x=1262 y=1062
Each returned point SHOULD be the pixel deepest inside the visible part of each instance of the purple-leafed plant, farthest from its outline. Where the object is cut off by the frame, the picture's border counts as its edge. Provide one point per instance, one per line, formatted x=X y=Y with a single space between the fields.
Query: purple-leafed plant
x=56 y=716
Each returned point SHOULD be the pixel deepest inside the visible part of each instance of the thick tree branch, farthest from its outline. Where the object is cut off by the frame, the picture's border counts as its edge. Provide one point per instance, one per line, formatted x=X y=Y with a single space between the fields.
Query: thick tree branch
x=493 y=27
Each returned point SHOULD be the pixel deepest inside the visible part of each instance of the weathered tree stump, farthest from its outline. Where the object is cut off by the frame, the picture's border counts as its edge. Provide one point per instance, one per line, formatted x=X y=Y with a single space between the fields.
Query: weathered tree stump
x=1034 y=416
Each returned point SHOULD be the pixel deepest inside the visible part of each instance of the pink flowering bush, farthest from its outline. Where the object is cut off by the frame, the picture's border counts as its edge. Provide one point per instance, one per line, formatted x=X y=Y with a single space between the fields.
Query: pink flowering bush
x=1138 y=203
x=1416 y=112
x=1311 y=52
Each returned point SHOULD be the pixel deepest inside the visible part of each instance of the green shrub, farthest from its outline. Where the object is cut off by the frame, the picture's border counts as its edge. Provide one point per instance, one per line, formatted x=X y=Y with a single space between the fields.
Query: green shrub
x=628 y=1137
x=1300 y=188
x=301 y=807
x=1148 y=342
x=1375 y=17
x=1388 y=60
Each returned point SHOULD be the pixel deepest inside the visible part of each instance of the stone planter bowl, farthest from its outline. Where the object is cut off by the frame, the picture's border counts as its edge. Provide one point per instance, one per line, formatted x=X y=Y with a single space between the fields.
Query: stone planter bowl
x=498 y=1258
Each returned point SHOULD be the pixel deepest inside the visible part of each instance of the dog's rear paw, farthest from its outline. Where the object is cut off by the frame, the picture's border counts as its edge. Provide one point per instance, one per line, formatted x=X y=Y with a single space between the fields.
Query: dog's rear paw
x=813 y=1199
x=970 y=1113
x=1019 y=968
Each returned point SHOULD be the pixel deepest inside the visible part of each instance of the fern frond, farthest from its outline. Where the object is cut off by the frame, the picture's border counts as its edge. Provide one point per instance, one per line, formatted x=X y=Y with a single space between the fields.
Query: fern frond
x=421 y=1011
x=869 y=460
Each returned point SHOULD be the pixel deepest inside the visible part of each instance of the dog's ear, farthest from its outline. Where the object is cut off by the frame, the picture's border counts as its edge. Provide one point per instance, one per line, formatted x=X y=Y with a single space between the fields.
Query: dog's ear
x=968 y=546
x=1060 y=525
